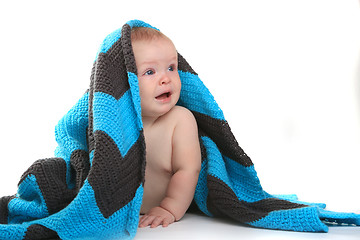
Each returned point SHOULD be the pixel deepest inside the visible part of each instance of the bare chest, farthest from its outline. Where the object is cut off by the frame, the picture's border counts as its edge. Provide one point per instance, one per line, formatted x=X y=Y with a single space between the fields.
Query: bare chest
x=158 y=151
x=158 y=169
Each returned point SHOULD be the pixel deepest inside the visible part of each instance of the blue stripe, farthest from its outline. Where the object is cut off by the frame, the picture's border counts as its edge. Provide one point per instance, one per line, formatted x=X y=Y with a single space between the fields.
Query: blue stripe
x=82 y=217
x=91 y=157
x=70 y=133
x=117 y=118
x=340 y=217
x=244 y=181
x=216 y=165
x=139 y=23
x=300 y=219
x=195 y=96
x=29 y=203
x=13 y=232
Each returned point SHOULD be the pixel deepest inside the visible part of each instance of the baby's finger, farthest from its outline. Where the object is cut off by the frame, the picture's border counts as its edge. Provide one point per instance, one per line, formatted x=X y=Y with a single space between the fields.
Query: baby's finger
x=166 y=222
x=142 y=219
x=156 y=222
x=147 y=221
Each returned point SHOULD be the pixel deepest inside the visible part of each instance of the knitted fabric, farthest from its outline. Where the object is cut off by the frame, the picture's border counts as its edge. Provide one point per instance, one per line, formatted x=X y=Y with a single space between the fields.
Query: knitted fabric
x=93 y=187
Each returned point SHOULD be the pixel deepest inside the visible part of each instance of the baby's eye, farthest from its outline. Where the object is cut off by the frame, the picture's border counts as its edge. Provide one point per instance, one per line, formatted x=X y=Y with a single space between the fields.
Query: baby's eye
x=171 y=68
x=149 y=72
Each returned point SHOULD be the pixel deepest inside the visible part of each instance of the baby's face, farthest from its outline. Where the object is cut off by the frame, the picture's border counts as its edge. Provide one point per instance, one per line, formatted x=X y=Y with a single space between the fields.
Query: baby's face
x=159 y=81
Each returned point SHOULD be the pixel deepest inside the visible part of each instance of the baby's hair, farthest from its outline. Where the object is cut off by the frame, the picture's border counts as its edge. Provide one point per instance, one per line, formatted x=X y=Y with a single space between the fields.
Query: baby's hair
x=145 y=33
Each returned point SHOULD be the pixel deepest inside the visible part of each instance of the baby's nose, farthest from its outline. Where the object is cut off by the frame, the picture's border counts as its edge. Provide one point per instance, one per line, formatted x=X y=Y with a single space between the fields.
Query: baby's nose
x=164 y=79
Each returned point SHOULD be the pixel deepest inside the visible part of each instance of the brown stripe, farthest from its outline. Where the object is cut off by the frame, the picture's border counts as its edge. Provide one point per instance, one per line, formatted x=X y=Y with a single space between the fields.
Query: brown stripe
x=39 y=232
x=127 y=173
x=127 y=49
x=219 y=131
x=110 y=72
x=222 y=201
x=184 y=66
x=50 y=175
x=4 y=210
x=80 y=166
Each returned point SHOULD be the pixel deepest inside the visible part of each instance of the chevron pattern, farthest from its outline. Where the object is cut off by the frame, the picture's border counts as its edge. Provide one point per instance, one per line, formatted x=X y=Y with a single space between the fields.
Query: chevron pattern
x=93 y=187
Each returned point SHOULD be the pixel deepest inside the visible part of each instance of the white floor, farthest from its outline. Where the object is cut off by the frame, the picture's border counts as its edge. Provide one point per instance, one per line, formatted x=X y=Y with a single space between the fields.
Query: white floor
x=194 y=226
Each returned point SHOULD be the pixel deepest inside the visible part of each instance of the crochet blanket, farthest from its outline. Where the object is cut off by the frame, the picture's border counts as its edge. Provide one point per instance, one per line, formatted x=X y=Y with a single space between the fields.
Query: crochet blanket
x=93 y=187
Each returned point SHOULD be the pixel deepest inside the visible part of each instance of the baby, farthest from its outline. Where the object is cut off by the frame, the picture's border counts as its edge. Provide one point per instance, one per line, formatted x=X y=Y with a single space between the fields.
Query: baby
x=173 y=158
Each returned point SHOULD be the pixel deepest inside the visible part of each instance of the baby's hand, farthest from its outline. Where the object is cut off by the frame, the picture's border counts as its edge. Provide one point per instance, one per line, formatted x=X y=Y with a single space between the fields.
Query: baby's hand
x=155 y=217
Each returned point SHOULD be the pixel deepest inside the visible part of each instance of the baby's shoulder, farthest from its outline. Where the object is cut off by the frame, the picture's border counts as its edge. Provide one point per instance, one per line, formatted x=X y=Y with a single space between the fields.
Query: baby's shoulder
x=181 y=114
x=183 y=120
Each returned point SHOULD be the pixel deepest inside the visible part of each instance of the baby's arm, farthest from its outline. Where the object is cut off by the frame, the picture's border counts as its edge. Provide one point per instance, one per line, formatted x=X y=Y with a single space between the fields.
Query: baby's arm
x=186 y=164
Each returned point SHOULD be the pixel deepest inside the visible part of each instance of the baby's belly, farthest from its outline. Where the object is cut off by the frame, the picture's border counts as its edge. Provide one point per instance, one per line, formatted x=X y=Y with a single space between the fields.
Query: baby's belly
x=156 y=183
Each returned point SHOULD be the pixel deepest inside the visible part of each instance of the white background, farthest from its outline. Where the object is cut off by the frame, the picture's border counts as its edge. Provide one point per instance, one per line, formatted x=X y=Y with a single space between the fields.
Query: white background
x=285 y=72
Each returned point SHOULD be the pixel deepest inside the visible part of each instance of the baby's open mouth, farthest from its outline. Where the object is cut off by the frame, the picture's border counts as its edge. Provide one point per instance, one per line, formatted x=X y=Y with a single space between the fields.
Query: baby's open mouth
x=163 y=96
